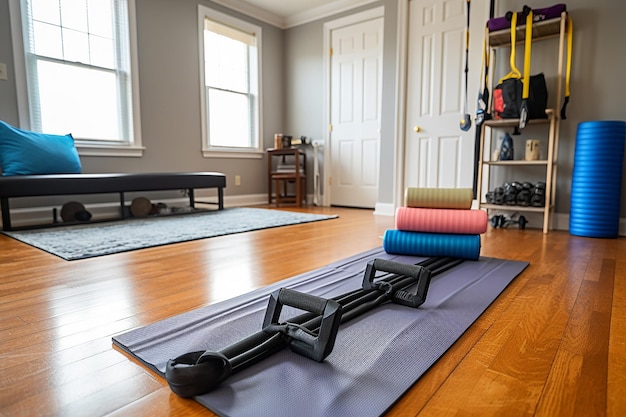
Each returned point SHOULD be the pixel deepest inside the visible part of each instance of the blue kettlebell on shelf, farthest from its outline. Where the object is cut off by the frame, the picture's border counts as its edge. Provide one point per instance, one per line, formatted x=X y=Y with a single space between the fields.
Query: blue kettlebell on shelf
x=506 y=148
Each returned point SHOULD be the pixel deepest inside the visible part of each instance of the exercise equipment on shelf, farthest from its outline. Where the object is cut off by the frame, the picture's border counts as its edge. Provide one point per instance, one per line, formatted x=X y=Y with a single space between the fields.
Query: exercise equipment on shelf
x=502 y=221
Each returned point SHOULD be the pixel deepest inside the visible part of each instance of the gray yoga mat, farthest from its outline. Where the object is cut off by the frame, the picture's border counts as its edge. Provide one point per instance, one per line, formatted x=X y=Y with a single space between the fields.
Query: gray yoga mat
x=376 y=357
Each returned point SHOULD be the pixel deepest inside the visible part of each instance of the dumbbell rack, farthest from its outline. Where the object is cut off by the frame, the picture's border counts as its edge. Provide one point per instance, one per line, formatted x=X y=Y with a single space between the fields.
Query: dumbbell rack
x=486 y=165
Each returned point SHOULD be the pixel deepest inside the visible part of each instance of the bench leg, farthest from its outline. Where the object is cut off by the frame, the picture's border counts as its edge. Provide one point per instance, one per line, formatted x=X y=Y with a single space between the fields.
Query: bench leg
x=220 y=198
x=122 y=203
x=192 y=198
x=6 y=214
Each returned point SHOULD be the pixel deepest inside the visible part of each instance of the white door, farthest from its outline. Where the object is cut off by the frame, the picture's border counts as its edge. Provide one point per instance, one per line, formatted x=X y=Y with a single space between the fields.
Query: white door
x=437 y=152
x=355 y=86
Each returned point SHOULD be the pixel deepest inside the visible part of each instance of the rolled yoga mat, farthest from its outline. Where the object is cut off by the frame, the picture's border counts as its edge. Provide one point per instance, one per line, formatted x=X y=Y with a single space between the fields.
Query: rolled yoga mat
x=432 y=244
x=597 y=179
x=467 y=222
x=443 y=198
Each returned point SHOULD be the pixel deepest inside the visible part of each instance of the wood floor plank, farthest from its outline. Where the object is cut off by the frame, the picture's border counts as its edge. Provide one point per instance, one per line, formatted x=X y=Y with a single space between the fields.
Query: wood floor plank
x=582 y=364
x=162 y=403
x=616 y=384
x=552 y=344
x=45 y=377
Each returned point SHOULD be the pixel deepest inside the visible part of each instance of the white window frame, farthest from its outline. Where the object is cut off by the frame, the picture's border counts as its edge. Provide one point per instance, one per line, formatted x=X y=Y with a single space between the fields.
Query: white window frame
x=209 y=151
x=131 y=146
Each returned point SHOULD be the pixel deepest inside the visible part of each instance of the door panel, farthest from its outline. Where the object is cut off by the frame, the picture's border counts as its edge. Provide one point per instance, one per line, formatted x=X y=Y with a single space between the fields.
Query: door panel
x=437 y=152
x=356 y=76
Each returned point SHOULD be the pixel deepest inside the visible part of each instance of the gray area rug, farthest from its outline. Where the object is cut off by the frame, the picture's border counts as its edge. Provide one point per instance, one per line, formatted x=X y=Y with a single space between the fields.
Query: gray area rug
x=376 y=357
x=97 y=239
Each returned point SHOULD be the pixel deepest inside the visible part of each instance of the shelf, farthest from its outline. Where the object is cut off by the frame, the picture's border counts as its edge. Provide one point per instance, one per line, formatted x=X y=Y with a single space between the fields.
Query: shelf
x=541 y=30
x=512 y=208
x=518 y=162
x=515 y=122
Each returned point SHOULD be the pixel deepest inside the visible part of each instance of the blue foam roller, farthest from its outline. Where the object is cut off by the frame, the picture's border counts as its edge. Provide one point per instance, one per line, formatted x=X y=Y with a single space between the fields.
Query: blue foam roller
x=596 y=179
x=432 y=244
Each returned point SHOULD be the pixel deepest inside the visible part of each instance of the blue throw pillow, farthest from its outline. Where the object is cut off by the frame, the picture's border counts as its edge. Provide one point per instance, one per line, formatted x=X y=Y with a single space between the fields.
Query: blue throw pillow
x=29 y=153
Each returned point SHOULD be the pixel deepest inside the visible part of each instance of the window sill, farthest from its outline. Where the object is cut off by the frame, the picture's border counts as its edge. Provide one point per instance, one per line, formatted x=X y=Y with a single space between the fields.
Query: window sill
x=109 y=150
x=231 y=153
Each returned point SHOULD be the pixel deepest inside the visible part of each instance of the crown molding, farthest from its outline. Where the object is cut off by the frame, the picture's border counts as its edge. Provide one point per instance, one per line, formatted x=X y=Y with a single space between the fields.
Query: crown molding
x=253 y=11
x=297 y=19
x=325 y=10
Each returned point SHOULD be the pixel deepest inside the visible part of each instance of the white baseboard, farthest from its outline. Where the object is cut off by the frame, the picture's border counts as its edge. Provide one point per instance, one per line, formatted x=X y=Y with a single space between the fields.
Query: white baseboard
x=384 y=209
x=245 y=200
x=560 y=221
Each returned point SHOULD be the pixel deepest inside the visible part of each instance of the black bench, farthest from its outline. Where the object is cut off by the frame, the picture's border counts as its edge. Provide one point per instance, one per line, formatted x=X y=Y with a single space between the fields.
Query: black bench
x=69 y=184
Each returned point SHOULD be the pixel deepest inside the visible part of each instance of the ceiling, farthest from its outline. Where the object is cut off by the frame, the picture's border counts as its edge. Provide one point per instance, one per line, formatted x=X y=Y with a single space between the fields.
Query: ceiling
x=288 y=13
x=286 y=8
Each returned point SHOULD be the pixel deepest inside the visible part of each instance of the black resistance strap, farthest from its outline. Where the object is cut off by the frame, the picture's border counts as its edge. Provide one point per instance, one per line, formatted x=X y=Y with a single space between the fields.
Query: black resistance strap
x=482 y=112
x=466 y=122
x=310 y=334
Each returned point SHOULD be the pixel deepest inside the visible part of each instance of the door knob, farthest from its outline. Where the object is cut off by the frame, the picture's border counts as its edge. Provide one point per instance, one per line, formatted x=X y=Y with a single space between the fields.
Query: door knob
x=417 y=129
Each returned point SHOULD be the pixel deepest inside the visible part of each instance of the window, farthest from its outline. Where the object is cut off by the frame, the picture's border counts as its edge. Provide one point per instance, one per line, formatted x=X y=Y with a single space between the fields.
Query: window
x=79 y=72
x=230 y=50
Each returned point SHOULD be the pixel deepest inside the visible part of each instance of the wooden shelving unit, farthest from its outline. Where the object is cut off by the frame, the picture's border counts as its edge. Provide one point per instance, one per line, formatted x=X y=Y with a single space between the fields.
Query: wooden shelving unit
x=486 y=165
x=549 y=29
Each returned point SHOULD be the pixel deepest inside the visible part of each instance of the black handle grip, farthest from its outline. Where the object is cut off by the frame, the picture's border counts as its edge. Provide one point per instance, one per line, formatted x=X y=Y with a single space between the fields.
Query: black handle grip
x=397 y=267
x=302 y=301
x=420 y=274
x=304 y=341
x=393 y=267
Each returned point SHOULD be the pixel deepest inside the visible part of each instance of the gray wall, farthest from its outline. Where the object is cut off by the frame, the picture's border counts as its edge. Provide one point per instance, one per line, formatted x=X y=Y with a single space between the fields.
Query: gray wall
x=293 y=85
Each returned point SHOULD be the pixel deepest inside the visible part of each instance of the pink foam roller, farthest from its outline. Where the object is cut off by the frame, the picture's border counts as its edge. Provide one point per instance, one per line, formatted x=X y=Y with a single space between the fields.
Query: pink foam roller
x=412 y=219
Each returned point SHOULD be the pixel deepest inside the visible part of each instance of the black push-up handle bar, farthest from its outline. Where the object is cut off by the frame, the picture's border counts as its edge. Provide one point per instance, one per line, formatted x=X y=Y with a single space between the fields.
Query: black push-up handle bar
x=310 y=334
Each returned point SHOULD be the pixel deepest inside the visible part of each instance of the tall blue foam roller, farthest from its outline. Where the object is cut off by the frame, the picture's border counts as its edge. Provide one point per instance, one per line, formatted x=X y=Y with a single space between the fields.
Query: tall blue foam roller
x=597 y=179
x=432 y=244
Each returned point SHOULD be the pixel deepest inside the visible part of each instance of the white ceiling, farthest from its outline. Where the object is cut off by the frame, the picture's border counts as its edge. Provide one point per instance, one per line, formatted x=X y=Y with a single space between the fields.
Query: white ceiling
x=286 y=8
x=289 y=13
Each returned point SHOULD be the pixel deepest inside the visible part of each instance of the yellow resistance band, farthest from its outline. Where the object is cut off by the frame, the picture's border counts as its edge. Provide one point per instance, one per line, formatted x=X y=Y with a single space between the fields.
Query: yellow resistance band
x=568 y=70
x=514 y=71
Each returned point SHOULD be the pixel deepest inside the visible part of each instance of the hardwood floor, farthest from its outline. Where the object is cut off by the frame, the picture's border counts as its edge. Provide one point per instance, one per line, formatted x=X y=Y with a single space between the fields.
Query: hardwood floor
x=553 y=344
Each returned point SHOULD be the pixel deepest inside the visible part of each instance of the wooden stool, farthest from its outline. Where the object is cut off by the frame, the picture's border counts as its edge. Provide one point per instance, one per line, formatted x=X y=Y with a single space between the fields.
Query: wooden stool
x=282 y=180
x=287 y=173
